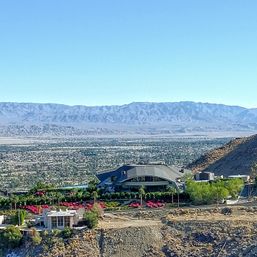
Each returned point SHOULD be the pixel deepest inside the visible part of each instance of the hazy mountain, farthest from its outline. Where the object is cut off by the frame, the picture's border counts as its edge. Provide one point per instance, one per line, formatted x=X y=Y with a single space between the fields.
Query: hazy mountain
x=236 y=157
x=177 y=117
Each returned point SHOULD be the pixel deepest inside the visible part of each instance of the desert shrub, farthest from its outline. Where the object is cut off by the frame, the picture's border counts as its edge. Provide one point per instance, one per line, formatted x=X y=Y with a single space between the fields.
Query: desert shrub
x=91 y=219
x=35 y=237
x=67 y=233
x=45 y=233
x=11 y=237
x=226 y=211
x=56 y=232
x=98 y=210
x=112 y=204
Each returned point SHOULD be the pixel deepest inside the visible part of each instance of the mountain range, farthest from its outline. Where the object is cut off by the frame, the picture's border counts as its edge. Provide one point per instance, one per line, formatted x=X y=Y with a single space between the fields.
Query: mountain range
x=139 y=117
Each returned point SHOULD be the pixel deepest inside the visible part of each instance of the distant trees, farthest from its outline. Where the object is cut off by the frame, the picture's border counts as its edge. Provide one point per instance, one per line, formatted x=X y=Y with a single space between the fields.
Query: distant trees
x=41 y=186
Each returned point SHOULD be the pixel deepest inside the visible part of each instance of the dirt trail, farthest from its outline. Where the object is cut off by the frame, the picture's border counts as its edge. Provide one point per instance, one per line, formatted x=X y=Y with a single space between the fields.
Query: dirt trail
x=118 y=221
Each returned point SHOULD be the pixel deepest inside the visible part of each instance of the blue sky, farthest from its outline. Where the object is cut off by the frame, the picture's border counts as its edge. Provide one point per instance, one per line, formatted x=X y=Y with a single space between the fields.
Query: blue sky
x=118 y=51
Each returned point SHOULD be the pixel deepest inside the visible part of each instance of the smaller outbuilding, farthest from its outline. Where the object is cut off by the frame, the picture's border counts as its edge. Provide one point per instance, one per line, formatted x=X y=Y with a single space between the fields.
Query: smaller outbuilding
x=62 y=219
x=204 y=176
x=245 y=178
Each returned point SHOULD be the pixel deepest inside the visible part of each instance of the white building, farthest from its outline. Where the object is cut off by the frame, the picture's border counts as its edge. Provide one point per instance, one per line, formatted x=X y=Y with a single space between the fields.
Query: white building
x=61 y=219
x=245 y=178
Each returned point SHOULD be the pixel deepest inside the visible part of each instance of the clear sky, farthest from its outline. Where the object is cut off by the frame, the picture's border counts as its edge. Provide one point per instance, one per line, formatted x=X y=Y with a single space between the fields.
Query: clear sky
x=118 y=51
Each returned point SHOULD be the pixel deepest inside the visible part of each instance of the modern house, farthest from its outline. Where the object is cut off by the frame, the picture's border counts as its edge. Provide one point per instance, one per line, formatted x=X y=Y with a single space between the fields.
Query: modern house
x=154 y=177
x=61 y=219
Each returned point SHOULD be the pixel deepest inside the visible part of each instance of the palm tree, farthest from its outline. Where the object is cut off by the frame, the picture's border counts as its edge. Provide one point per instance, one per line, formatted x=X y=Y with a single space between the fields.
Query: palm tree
x=14 y=199
x=95 y=196
x=171 y=189
x=178 y=192
x=141 y=192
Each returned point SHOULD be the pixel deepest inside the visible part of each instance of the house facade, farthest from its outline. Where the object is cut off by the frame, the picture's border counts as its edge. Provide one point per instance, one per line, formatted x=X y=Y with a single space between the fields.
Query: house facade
x=62 y=219
x=154 y=177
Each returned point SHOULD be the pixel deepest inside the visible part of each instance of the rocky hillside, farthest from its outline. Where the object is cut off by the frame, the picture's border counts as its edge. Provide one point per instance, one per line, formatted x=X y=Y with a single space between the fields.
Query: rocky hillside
x=236 y=157
x=176 y=117
x=177 y=233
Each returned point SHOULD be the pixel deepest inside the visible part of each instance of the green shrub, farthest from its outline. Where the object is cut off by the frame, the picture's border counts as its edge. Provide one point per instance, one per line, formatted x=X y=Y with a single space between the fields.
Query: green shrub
x=56 y=232
x=11 y=237
x=19 y=217
x=97 y=209
x=45 y=233
x=35 y=237
x=91 y=219
x=112 y=204
x=215 y=192
x=67 y=233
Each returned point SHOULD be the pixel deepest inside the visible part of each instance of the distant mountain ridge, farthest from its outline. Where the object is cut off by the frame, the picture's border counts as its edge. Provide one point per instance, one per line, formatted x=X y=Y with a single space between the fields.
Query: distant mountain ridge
x=170 y=117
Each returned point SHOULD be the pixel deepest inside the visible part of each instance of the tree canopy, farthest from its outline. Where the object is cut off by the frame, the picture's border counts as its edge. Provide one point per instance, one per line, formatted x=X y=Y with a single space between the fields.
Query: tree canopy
x=213 y=192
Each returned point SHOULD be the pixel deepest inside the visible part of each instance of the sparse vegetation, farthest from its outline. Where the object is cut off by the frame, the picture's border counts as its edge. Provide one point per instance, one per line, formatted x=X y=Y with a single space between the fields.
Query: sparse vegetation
x=67 y=233
x=91 y=219
x=35 y=237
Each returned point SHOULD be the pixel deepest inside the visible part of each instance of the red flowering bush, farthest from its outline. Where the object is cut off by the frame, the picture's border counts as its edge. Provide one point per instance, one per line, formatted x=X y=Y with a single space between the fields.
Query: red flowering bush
x=72 y=205
x=134 y=205
x=154 y=204
x=35 y=209
x=40 y=193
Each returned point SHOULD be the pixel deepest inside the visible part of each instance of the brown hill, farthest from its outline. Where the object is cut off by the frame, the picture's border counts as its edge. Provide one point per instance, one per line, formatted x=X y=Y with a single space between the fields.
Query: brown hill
x=236 y=157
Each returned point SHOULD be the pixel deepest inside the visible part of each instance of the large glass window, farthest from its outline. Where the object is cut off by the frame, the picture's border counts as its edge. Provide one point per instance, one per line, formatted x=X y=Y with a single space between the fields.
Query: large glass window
x=146 y=179
x=60 y=221
x=66 y=221
x=54 y=222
